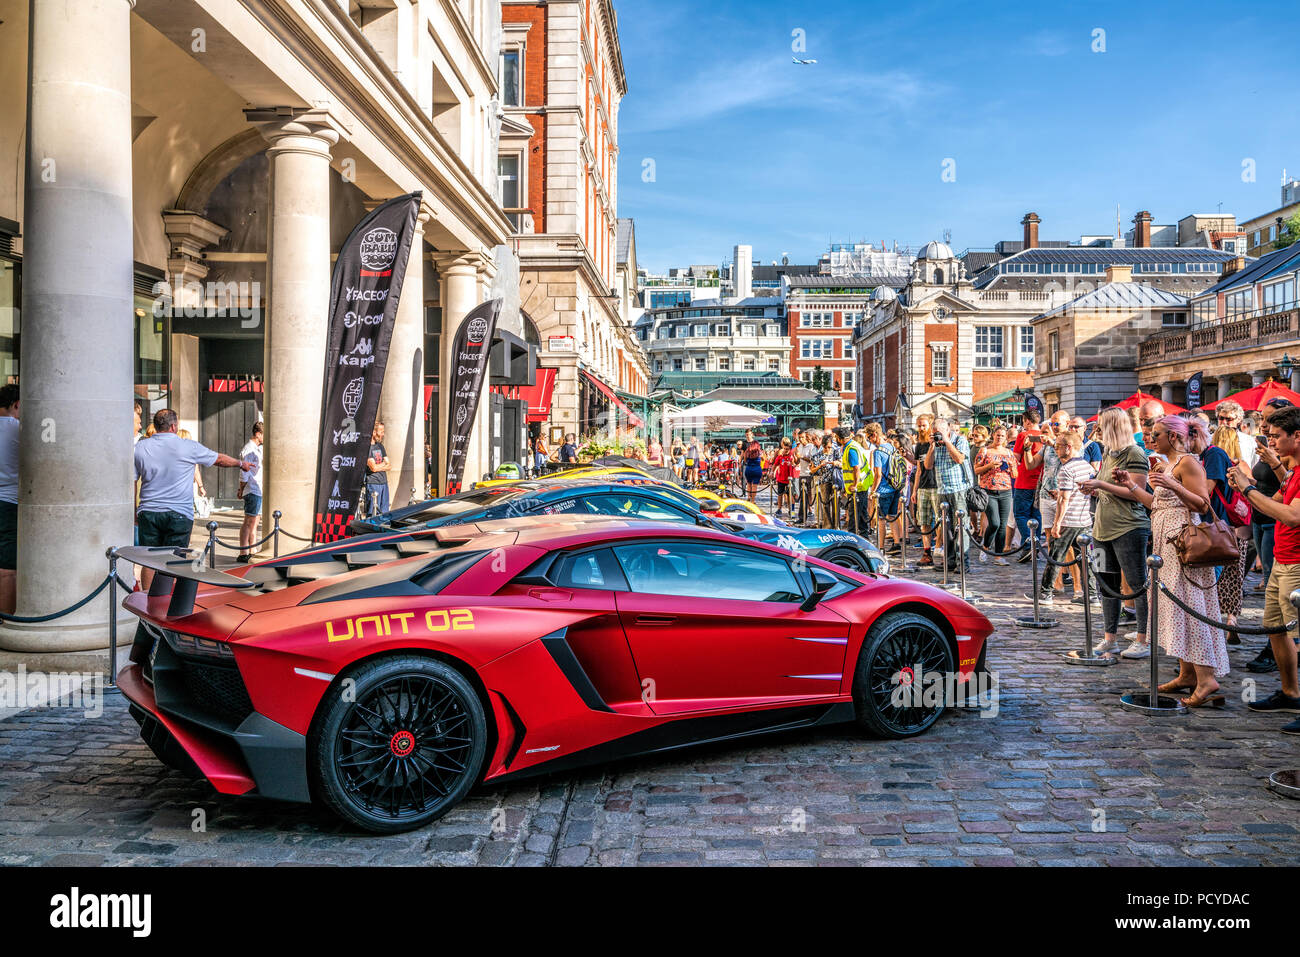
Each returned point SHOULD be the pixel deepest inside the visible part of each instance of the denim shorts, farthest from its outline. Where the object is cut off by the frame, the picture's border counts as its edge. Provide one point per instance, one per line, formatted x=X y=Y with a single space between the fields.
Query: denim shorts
x=887 y=503
x=252 y=504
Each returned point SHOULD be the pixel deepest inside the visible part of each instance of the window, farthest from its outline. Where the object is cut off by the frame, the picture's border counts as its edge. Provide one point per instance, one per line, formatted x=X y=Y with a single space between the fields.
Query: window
x=638 y=506
x=1256 y=243
x=707 y=570
x=702 y=329
x=805 y=375
x=510 y=79
x=847 y=380
x=659 y=366
x=750 y=365
x=508 y=185
x=988 y=347
x=1053 y=351
x=724 y=363
x=662 y=332
x=1173 y=318
x=748 y=329
x=771 y=329
x=1239 y=301
x=816 y=348
x=700 y=365
x=722 y=329
x=848 y=348
x=1026 y=357
x=939 y=365
x=1279 y=295
x=773 y=365
x=677 y=365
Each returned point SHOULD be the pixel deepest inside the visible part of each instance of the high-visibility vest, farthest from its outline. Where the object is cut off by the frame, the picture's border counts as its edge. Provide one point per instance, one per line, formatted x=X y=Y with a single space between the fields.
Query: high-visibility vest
x=867 y=477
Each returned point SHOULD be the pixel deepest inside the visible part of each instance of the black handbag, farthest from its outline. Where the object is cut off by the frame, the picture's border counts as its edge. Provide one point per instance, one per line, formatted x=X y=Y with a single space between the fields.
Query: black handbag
x=977 y=498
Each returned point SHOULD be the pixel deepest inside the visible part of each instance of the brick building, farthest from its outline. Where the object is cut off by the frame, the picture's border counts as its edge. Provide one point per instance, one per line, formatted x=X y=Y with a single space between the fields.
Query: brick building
x=563 y=81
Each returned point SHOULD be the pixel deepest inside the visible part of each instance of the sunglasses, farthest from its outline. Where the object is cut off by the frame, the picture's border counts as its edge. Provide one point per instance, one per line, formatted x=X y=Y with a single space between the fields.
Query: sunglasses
x=1226 y=418
x=1148 y=422
x=1076 y=428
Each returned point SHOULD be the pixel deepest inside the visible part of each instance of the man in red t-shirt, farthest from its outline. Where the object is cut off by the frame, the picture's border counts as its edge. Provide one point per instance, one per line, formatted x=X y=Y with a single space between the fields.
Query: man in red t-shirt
x=1283 y=426
x=1024 y=491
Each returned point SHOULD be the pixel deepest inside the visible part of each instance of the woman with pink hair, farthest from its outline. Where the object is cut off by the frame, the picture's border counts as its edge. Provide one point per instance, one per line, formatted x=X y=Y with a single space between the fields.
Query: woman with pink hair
x=1181 y=490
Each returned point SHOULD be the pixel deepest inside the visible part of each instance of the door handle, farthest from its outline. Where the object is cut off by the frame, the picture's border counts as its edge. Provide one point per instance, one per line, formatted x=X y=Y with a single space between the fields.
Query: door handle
x=655 y=619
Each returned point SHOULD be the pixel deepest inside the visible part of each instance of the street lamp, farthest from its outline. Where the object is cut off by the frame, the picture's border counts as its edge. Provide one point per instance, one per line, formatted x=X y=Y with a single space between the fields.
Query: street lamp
x=1284 y=368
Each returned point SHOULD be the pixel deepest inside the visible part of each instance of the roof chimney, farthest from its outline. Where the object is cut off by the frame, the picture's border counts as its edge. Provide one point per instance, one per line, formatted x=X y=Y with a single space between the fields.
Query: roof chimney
x=1142 y=230
x=1119 y=272
x=1030 y=222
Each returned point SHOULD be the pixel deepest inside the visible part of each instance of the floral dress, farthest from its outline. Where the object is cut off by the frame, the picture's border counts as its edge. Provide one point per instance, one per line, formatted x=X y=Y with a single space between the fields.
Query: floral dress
x=1181 y=635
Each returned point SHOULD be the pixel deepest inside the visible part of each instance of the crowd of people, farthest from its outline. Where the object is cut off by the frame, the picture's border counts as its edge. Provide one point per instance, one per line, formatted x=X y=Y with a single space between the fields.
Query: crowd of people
x=1136 y=481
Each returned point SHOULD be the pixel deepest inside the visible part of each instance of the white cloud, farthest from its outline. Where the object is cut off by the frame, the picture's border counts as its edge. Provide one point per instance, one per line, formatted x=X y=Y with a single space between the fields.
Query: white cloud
x=773 y=83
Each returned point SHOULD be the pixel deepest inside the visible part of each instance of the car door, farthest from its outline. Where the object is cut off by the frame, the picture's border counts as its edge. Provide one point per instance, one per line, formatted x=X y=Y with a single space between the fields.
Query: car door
x=713 y=625
x=593 y=651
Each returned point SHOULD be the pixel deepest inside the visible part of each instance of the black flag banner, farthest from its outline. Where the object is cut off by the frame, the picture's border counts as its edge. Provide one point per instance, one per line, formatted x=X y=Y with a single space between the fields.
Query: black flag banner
x=364 y=290
x=469 y=366
x=1194 y=391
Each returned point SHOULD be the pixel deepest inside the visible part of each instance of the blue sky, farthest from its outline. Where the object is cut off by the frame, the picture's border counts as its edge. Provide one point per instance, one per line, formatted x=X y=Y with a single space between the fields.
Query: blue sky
x=748 y=147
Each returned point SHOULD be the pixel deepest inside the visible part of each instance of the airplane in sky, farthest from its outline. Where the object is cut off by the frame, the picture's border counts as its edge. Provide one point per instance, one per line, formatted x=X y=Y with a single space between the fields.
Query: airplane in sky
x=803 y=62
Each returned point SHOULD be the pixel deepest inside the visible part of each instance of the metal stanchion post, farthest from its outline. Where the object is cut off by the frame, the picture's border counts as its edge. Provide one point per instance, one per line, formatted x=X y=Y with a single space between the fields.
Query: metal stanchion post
x=275 y=533
x=835 y=508
x=1153 y=703
x=1037 y=621
x=1287 y=783
x=943 y=517
x=1082 y=544
x=111 y=686
x=902 y=545
x=212 y=544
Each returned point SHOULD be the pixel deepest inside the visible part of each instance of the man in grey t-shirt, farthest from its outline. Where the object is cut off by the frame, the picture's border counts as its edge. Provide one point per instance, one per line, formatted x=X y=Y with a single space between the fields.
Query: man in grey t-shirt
x=164 y=464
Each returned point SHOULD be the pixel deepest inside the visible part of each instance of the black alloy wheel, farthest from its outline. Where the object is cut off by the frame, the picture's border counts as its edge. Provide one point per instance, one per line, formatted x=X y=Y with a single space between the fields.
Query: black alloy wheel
x=399 y=742
x=903 y=672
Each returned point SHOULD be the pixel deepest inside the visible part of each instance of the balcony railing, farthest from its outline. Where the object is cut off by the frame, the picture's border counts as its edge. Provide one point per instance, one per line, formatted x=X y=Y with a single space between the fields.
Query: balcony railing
x=1224 y=336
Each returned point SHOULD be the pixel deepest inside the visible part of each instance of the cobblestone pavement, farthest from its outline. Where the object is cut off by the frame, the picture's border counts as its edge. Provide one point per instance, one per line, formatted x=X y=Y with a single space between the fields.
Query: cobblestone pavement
x=1061 y=775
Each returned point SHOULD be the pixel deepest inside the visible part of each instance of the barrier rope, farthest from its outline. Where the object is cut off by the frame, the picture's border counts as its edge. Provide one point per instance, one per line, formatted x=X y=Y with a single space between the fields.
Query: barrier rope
x=1014 y=550
x=257 y=544
x=1105 y=590
x=37 y=619
x=1221 y=625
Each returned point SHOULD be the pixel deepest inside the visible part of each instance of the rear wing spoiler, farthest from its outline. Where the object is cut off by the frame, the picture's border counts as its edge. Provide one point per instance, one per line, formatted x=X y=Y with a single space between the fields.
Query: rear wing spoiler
x=180 y=572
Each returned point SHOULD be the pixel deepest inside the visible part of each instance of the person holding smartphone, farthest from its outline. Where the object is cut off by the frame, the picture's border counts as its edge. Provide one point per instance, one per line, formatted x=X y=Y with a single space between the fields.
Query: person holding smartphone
x=1024 y=487
x=995 y=470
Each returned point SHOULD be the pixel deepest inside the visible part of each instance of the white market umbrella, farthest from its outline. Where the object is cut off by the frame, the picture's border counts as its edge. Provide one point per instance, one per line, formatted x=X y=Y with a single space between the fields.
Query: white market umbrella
x=731 y=416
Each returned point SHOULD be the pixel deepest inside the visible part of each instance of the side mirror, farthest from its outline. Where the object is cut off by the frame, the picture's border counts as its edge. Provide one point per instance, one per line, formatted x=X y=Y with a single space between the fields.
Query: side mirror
x=822 y=582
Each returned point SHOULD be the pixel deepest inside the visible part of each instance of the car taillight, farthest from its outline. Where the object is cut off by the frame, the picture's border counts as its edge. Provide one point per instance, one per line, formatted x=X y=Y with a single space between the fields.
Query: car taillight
x=195 y=647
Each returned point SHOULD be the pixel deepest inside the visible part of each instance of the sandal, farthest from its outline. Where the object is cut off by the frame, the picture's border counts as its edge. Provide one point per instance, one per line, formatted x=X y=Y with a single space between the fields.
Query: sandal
x=1169 y=687
x=1212 y=699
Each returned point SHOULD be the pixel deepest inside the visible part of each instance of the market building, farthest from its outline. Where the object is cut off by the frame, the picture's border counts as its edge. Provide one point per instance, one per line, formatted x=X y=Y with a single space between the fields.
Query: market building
x=175 y=178
x=962 y=345
x=1087 y=350
x=1244 y=329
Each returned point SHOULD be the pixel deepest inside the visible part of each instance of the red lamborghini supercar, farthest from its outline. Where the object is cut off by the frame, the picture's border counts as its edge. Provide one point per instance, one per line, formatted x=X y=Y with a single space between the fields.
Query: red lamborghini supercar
x=388 y=675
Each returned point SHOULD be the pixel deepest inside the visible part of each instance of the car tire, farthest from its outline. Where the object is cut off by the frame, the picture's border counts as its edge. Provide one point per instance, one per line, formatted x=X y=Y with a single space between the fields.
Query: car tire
x=846 y=557
x=896 y=646
x=397 y=743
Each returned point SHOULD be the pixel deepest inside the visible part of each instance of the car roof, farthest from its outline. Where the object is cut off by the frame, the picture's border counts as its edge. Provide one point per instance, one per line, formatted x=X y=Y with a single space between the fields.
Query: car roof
x=565 y=531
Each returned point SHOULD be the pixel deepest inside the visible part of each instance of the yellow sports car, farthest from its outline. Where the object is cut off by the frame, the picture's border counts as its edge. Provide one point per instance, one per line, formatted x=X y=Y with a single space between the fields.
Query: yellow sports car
x=738 y=509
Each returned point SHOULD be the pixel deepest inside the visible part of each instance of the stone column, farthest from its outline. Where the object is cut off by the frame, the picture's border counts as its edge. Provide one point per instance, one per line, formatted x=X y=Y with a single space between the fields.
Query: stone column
x=459 y=275
x=1258 y=378
x=1167 y=392
x=401 y=404
x=75 y=493
x=297 y=314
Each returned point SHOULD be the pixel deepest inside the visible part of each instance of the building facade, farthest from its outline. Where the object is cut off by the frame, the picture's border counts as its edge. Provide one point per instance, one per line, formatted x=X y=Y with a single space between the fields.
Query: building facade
x=1241 y=329
x=566 y=81
x=176 y=177
x=1086 y=350
x=744 y=337
x=1262 y=231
